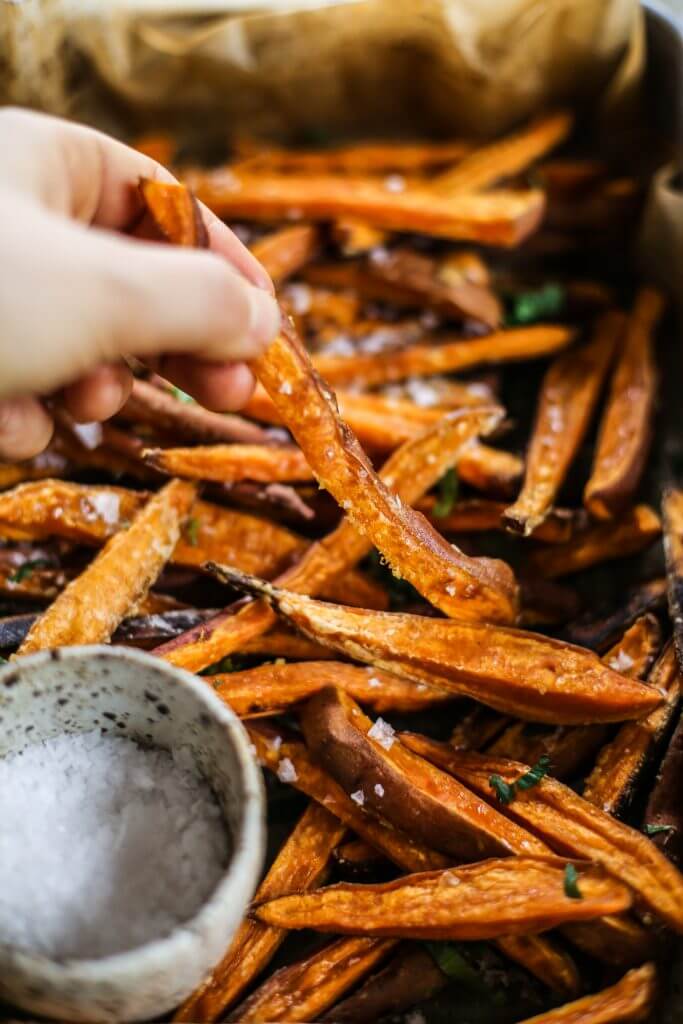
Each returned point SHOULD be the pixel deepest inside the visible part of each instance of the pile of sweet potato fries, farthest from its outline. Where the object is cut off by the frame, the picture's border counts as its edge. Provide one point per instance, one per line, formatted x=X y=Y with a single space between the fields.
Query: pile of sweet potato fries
x=469 y=811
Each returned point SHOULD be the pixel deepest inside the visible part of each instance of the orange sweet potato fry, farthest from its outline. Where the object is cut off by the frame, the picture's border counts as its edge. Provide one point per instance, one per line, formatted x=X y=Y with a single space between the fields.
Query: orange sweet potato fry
x=513 y=896
x=277 y=687
x=571 y=826
x=291 y=759
x=545 y=960
x=621 y=762
x=631 y=999
x=286 y=251
x=227 y=463
x=368 y=761
x=446 y=356
x=299 y=866
x=478 y=728
x=672 y=514
x=478 y=514
x=280 y=642
x=568 y=397
x=303 y=990
x=355 y=237
x=359 y=157
x=501 y=218
x=616 y=940
x=94 y=604
x=175 y=213
x=490 y=470
x=159 y=147
x=507 y=157
x=513 y=671
x=635 y=531
x=626 y=429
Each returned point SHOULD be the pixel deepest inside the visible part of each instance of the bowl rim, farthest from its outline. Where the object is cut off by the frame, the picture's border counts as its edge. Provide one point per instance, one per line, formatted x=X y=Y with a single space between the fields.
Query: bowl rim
x=241 y=874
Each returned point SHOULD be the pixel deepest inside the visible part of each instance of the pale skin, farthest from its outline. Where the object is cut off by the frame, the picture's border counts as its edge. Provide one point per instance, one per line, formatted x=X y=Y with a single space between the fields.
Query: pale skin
x=78 y=296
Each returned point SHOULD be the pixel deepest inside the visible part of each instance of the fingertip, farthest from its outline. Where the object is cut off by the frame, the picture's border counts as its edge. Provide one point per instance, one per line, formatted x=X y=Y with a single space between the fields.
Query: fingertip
x=100 y=394
x=221 y=387
x=26 y=428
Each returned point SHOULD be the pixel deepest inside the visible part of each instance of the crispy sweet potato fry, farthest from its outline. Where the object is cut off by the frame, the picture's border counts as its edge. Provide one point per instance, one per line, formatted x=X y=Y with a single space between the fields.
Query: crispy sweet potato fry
x=175 y=213
x=286 y=251
x=354 y=237
x=568 y=396
x=663 y=820
x=308 y=777
x=226 y=463
x=490 y=470
x=507 y=157
x=636 y=530
x=545 y=960
x=513 y=896
x=93 y=605
x=599 y=632
x=277 y=687
x=280 y=642
x=478 y=514
x=366 y=759
x=478 y=728
x=502 y=218
x=631 y=999
x=447 y=356
x=303 y=990
x=621 y=763
x=546 y=603
x=516 y=672
x=571 y=826
x=616 y=940
x=299 y=866
x=359 y=157
x=626 y=428
x=672 y=515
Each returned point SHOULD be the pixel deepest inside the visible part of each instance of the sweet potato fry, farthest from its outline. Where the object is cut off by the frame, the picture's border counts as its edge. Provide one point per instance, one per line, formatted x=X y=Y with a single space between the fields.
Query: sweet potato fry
x=360 y=157
x=620 y=764
x=299 y=866
x=286 y=251
x=506 y=158
x=478 y=728
x=355 y=237
x=490 y=470
x=545 y=960
x=625 y=432
x=603 y=542
x=568 y=396
x=175 y=213
x=477 y=514
x=631 y=999
x=534 y=676
x=303 y=990
x=546 y=603
x=226 y=463
x=43 y=466
x=367 y=760
x=158 y=408
x=93 y=605
x=280 y=642
x=501 y=218
x=601 y=631
x=617 y=940
x=305 y=775
x=663 y=820
x=571 y=826
x=277 y=687
x=567 y=177
x=446 y=356
x=41 y=583
x=672 y=515
x=513 y=896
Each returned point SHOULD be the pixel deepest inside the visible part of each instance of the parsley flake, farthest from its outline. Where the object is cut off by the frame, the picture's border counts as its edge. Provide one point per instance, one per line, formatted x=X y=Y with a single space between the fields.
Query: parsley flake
x=192 y=531
x=571 y=883
x=538 y=304
x=27 y=569
x=448 y=494
x=505 y=791
x=655 y=830
x=182 y=396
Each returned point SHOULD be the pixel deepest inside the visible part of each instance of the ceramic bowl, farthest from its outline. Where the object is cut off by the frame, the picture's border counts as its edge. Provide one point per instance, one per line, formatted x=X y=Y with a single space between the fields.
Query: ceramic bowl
x=69 y=691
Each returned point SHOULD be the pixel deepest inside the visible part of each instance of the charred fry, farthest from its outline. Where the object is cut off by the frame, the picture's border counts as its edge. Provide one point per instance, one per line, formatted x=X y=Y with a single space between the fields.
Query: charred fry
x=631 y=999
x=476 y=514
x=599 y=632
x=672 y=514
x=663 y=821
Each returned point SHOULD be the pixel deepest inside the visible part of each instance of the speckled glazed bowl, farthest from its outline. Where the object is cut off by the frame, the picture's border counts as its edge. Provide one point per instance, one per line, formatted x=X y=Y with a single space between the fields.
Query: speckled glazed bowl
x=69 y=691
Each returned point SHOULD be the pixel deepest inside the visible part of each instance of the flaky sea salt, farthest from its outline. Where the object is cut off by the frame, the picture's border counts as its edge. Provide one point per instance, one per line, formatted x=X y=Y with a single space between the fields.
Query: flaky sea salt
x=104 y=845
x=104 y=506
x=379 y=789
x=286 y=772
x=621 y=662
x=358 y=797
x=383 y=733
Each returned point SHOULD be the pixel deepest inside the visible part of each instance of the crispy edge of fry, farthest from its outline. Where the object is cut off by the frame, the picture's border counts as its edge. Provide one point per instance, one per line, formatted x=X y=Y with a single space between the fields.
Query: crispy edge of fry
x=568 y=396
x=229 y=463
x=93 y=605
x=284 y=252
x=174 y=212
x=403 y=788
x=489 y=899
x=630 y=1000
x=598 y=633
x=545 y=960
x=481 y=514
x=626 y=428
x=602 y=542
x=300 y=865
x=540 y=678
x=303 y=990
x=672 y=517
x=663 y=805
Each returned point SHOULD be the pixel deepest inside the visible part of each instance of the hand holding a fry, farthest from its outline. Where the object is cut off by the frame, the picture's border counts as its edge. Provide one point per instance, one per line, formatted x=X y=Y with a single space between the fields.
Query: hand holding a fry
x=76 y=296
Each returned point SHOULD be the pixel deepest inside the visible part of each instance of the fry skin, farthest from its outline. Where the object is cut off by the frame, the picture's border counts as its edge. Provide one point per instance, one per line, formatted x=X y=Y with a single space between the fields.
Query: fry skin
x=631 y=999
x=516 y=672
x=571 y=826
x=672 y=515
x=514 y=896
x=479 y=514
x=94 y=604
x=284 y=252
x=568 y=397
x=626 y=429
x=175 y=213
x=359 y=157
x=227 y=463
x=299 y=866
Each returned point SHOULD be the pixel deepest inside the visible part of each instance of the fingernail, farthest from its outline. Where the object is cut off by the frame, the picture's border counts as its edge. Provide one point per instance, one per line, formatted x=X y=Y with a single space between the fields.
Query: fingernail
x=264 y=318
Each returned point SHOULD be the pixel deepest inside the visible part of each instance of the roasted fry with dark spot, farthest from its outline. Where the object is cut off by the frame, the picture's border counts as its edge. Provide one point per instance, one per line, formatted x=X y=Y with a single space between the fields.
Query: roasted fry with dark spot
x=672 y=516
x=571 y=826
x=227 y=463
x=663 y=820
x=635 y=531
x=478 y=728
x=616 y=940
x=600 y=632
x=299 y=866
x=545 y=960
x=477 y=514
x=631 y=999
x=286 y=251
x=516 y=672
x=626 y=430
x=568 y=396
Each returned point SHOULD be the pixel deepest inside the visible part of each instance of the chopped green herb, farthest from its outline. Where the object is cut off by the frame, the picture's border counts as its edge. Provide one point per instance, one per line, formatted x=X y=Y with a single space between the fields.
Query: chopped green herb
x=182 y=396
x=535 y=774
x=27 y=569
x=571 y=883
x=466 y=964
x=192 y=531
x=539 y=304
x=4 y=661
x=655 y=830
x=450 y=960
x=504 y=791
x=448 y=495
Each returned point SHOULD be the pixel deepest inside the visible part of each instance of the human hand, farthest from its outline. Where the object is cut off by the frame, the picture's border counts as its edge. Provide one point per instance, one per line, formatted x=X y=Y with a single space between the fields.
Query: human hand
x=76 y=297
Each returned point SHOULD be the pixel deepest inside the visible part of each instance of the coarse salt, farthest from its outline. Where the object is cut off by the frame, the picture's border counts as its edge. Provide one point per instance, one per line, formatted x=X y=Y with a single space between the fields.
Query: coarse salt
x=374 y=681
x=379 y=789
x=383 y=733
x=358 y=797
x=285 y=388
x=102 y=505
x=286 y=772
x=621 y=662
